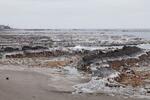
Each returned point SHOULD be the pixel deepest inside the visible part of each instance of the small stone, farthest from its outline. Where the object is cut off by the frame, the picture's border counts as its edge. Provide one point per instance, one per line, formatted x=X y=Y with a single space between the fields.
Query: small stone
x=7 y=78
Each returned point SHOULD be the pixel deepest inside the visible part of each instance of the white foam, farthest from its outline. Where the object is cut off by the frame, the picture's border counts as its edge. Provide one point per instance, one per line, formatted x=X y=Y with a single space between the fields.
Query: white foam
x=144 y=46
x=99 y=86
x=79 y=48
x=72 y=70
x=96 y=85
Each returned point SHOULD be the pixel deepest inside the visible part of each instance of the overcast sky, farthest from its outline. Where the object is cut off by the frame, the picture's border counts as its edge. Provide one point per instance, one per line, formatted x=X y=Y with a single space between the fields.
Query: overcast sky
x=75 y=13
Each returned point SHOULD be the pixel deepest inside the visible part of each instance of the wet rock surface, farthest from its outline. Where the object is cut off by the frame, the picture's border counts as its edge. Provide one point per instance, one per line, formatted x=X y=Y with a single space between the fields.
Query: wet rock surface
x=103 y=72
x=39 y=53
x=91 y=57
x=132 y=58
x=123 y=68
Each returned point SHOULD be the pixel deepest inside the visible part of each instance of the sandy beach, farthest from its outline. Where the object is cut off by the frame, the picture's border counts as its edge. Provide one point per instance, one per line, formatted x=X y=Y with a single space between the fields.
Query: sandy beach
x=27 y=85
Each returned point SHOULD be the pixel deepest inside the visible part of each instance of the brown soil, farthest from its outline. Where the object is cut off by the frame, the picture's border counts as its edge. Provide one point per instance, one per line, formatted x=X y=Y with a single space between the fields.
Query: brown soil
x=57 y=63
x=134 y=80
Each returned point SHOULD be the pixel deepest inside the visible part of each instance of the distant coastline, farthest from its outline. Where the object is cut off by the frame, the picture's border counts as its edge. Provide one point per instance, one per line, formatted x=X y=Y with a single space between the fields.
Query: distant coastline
x=7 y=28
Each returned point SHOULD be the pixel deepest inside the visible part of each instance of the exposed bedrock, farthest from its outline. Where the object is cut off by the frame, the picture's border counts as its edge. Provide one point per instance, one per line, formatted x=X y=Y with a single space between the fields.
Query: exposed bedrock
x=141 y=60
x=33 y=48
x=24 y=48
x=131 y=70
x=98 y=55
x=30 y=54
x=127 y=66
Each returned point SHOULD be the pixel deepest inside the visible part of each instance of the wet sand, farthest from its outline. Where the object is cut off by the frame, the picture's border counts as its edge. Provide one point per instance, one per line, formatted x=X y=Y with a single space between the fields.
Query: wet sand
x=27 y=85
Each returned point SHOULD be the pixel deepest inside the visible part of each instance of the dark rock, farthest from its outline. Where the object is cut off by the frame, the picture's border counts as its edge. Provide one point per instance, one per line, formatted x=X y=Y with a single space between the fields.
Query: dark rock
x=15 y=56
x=10 y=49
x=125 y=51
x=33 y=48
x=7 y=78
x=39 y=48
x=92 y=56
x=27 y=48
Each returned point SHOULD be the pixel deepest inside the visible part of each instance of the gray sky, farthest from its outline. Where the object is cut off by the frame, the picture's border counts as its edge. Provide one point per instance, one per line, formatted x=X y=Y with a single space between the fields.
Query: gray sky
x=75 y=13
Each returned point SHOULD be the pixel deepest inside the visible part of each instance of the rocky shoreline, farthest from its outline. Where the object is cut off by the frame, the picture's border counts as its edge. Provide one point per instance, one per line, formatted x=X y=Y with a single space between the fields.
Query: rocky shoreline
x=121 y=69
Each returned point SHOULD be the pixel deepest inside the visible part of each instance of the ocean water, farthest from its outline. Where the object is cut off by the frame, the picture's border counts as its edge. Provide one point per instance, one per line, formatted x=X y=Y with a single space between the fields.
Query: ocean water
x=145 y=35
